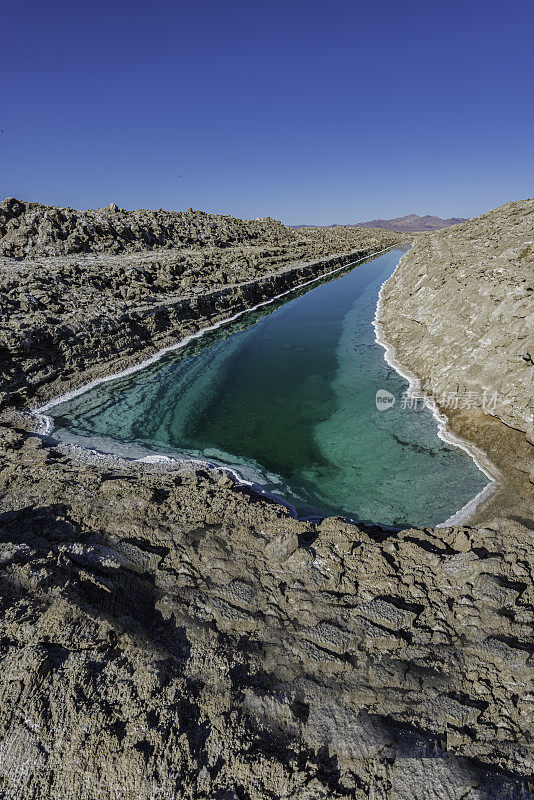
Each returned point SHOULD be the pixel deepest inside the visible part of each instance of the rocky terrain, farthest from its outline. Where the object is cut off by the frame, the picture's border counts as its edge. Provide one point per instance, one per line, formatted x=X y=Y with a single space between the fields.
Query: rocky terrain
x=459 y=315
x=412 y=223
x=166 y=633
x=32 y=229
x=65 y=319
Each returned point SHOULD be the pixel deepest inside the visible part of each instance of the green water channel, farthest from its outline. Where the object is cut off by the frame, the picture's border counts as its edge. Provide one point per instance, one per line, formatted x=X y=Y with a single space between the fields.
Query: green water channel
x=285 y=395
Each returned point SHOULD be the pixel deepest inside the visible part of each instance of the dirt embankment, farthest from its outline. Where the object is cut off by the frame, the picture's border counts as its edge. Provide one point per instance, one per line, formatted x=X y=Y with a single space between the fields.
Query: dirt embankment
x=458 y=313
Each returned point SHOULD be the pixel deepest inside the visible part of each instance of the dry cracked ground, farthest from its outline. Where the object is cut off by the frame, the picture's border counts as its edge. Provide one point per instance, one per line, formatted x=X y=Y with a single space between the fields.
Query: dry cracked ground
x=167 y=634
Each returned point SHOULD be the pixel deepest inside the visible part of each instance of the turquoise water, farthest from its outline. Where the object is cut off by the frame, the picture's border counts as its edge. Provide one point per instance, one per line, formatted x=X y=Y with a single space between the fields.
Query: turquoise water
x=286 y=396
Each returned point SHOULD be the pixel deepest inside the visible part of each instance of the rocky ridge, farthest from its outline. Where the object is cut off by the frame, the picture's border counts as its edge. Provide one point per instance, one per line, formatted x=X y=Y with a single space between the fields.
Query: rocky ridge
x=33 y=229
x=166 y=633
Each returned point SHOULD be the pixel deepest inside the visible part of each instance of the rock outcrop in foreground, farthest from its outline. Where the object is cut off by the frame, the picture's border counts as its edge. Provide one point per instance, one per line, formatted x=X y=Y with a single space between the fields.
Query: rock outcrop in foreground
x=167 y=634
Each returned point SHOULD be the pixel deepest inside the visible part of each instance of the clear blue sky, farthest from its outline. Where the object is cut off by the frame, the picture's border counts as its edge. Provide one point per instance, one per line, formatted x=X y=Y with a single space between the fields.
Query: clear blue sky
x=312 y=112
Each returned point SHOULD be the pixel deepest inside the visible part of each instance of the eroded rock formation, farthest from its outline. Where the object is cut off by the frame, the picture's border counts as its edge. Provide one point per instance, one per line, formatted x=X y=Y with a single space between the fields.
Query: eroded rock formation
x=167 y=630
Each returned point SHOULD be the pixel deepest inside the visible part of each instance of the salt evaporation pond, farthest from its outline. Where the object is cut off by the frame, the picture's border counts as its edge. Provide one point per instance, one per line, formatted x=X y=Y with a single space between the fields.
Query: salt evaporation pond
x=285 y=395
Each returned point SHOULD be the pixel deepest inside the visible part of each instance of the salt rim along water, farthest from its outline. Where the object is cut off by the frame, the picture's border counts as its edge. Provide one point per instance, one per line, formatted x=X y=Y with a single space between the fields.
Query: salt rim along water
x=444 y=433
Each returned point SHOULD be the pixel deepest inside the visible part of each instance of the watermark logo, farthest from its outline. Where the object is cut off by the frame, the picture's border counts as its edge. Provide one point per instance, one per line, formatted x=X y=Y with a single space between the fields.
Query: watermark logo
x=384 y=400
x=411 y=401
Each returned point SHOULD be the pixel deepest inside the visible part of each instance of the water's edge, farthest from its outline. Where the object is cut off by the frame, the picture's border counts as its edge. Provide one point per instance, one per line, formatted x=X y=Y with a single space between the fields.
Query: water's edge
x=480 y=458
x=46 y=423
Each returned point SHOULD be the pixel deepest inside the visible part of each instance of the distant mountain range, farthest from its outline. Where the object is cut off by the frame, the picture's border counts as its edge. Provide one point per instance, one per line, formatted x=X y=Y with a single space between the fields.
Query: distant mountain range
x=407 y=224
x=411 y=222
